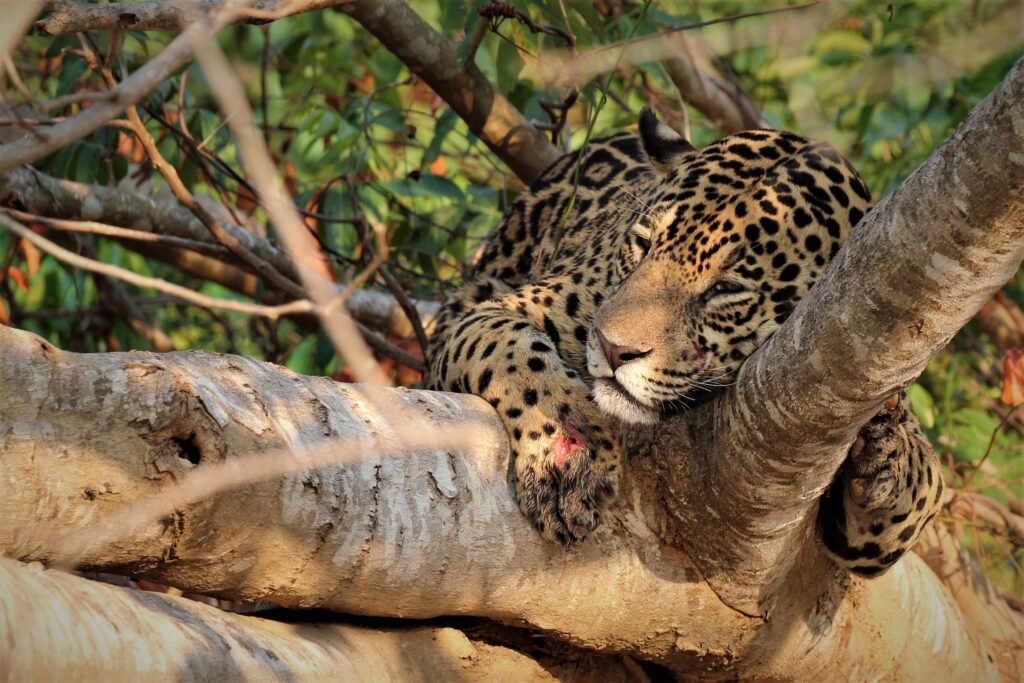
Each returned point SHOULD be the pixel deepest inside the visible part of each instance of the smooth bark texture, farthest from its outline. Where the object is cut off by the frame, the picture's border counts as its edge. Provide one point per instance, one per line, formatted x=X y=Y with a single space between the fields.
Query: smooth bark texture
x=410 y=534
x=58 y=627
x=914 y=272
x=432 y=57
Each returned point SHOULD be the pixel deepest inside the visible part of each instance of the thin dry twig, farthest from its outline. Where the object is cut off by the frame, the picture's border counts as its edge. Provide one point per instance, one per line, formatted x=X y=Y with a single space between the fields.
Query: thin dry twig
x=570 y=68
x=184 y=293
x=117 y=299
x=407 y=306
x=260 y=266
x=105 y=230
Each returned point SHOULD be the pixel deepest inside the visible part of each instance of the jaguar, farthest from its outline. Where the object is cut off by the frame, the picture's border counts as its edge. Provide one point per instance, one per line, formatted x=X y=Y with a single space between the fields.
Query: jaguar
x=630 y=282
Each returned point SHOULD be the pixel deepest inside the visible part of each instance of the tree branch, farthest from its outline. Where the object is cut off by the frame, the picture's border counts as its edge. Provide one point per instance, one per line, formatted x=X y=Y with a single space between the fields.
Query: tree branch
x=427 y=53
x=914 y=271
x=183 y=293
x=45 y=614
x=130 y=91
x=432 y=57
x=413 y=534
x=163 y=15
x=728 y=109
x=34 y=192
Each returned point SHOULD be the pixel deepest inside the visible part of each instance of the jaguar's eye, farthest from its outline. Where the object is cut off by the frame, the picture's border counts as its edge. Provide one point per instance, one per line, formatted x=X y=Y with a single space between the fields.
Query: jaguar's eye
x=640 y=242
x=722 y=288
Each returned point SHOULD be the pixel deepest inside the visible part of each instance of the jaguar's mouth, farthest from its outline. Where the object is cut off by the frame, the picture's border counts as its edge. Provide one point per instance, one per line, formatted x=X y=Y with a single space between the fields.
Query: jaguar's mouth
x=614 y=399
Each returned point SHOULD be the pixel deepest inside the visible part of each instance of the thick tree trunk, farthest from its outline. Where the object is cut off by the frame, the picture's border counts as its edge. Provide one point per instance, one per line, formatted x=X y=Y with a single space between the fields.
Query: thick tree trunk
x=415 y=534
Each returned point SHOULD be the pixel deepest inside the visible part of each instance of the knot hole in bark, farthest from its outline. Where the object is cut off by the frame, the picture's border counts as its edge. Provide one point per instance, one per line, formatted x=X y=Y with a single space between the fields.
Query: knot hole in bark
x=188 y=448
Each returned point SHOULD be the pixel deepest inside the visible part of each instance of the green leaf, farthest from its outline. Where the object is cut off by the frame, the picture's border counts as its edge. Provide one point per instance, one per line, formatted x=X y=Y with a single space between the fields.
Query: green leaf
x=303 y=358
x=923 y=405
x=445 y=124
x=845 y=42
x=427 y=186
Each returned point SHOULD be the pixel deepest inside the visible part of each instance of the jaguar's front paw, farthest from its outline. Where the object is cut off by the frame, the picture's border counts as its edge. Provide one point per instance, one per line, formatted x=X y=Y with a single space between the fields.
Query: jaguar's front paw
x=562 y=487
x=877 y=466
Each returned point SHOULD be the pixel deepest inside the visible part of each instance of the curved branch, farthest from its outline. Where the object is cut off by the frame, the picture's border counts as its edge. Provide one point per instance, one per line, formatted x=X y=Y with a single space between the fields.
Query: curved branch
x=914 y=271
x=728 y=109
x=29 y=190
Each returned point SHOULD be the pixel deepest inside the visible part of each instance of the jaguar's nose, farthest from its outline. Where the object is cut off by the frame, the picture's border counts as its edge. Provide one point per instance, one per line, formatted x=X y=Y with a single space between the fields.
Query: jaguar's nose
x=616 y=355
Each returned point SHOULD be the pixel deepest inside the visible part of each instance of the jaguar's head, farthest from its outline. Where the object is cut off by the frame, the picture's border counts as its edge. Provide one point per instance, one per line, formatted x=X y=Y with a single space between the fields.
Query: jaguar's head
x=731 y=238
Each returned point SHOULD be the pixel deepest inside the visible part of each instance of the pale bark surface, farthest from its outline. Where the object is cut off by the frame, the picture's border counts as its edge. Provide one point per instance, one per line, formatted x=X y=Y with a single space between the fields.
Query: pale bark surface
x=58 y=627
x=414 y=534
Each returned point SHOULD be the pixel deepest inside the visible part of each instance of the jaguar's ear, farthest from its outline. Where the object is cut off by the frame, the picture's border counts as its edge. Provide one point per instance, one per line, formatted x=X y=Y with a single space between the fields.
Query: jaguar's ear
x=664 y=147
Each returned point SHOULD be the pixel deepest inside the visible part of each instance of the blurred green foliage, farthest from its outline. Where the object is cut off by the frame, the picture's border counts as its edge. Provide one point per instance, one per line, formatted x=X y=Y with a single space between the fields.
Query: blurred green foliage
x=357 y=138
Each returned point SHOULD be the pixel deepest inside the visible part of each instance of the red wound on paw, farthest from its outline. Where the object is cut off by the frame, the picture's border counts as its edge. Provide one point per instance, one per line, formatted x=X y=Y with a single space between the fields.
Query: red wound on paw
x=570 y=442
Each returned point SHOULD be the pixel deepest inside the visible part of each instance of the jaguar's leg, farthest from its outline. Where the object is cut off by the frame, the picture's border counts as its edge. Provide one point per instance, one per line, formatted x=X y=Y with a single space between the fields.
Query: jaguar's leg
x=886 y=492
x=566 y=460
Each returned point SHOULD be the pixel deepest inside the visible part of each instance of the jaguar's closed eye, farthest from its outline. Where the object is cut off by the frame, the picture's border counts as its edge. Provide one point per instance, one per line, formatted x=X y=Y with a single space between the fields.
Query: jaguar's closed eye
x=643 y=243
x=722 y=288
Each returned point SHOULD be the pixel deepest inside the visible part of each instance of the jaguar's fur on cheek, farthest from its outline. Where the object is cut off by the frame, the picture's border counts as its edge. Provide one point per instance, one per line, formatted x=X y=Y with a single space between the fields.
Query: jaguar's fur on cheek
x=641 y=290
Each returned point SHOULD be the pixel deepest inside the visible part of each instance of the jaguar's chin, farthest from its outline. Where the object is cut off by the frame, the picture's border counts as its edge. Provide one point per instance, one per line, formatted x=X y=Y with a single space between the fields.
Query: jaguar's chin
x=614 y=400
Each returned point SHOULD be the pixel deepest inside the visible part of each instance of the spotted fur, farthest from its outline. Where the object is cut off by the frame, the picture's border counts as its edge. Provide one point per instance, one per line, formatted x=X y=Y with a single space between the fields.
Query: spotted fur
x=633 y=281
